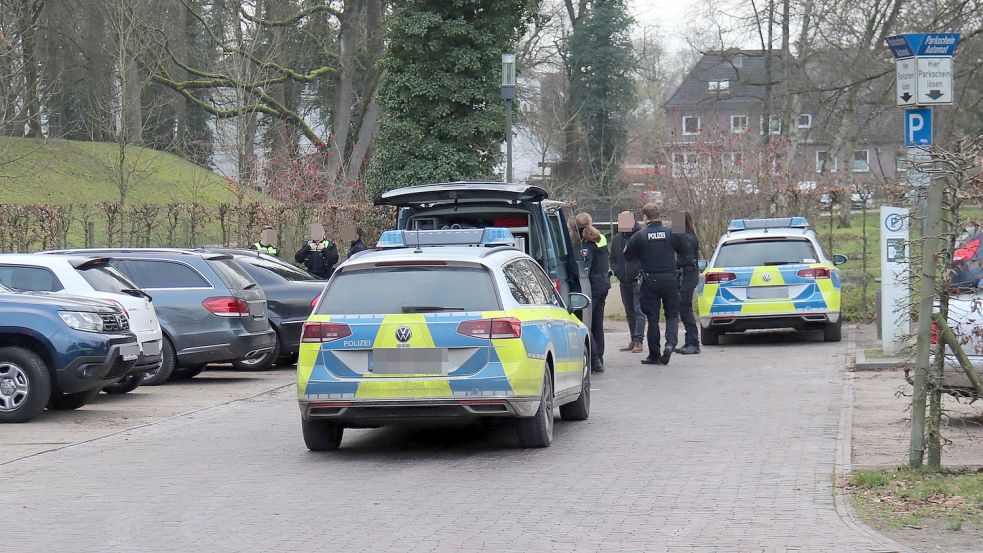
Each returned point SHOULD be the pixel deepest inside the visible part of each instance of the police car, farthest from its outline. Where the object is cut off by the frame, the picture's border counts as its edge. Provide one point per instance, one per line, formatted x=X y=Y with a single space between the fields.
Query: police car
x=442 y=324
x=770 y=274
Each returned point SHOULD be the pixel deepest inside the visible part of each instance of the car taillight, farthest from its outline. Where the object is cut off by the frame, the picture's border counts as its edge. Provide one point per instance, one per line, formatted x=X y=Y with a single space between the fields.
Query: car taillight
x=315 y=300
x=814 y=273
x=227 y=306
x=719 y=277
x=325 y=332
x=935 y=333
x=491 y=328
x=556 y=285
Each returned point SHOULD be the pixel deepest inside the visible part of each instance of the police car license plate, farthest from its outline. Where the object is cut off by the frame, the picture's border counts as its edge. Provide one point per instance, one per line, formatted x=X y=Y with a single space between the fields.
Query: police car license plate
x=409 y=361
x=767 y=292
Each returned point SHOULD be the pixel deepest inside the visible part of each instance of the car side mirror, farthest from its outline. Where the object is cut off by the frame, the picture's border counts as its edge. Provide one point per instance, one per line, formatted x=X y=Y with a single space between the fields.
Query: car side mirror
x=578 y=302
x=703 y=265
x=839 y=259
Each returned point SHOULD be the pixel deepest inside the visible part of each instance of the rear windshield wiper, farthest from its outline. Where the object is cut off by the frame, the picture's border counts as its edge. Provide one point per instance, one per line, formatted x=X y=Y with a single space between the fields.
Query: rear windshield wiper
x=774 y=263
x=249 y=286
x=429 y=308
x=137 y=293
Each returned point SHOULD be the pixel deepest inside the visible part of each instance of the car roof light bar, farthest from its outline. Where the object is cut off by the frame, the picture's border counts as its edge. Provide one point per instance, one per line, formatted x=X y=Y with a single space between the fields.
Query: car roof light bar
x=490 y=236
x=775 y=222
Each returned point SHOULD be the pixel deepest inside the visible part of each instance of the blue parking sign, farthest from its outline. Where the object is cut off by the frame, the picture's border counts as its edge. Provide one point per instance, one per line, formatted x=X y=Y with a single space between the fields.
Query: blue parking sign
x=918 y=127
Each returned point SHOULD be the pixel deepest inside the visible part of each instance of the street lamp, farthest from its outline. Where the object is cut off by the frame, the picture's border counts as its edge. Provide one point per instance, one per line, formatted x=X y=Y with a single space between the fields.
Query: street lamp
x=508 y=93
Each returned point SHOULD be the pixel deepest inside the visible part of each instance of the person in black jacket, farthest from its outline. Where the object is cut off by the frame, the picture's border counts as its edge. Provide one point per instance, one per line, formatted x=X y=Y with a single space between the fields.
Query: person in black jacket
x=594 y=247
x=357 y=244
x=656 y=247
x=629 y=279
x=318 y=254
x=689 y=270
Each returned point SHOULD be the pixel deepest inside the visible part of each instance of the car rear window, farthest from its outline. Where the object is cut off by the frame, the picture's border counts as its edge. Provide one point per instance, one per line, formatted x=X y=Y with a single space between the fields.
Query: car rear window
x=234 y=276
x=162 y=274
x=753 y=253
x=29 y=279
x=408 y=289
x=106 y=279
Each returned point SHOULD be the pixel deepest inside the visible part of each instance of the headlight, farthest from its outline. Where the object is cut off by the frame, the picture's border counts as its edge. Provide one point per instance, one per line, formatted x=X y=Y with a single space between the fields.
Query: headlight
x=82 y=320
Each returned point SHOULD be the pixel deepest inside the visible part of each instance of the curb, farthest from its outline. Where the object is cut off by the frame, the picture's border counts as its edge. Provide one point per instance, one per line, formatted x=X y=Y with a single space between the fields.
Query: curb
x=842 y=468
x=861 y=363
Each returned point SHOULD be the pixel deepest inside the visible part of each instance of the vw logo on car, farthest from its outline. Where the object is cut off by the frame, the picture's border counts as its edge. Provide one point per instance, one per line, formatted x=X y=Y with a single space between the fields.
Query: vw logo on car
x=403 y=334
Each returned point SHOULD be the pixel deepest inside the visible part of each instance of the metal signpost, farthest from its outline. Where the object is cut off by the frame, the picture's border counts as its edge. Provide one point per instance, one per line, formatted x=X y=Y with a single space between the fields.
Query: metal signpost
x=930 y=84
x=895 y=317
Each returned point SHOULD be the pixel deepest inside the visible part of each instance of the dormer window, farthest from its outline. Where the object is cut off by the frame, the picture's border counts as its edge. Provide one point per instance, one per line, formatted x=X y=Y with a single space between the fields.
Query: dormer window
x=718 y=86
x=738 y=60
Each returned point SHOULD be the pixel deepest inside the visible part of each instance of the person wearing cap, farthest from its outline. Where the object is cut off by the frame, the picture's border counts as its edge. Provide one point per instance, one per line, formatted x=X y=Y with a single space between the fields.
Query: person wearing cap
x=267 y=237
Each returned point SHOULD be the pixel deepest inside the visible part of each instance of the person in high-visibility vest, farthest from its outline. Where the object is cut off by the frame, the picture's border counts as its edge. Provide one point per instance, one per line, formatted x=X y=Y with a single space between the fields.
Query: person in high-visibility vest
x=267 y=241
x=318 y=254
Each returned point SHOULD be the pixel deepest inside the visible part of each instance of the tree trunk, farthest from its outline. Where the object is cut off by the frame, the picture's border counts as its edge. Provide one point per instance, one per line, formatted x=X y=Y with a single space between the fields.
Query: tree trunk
x=29 y=51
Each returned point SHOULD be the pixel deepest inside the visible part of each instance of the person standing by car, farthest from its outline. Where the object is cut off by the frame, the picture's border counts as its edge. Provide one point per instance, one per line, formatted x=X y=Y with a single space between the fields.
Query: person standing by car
x=656 y=248
x=267 y=242
x=688 y=263
x=357 y=244
x=318 y=254
x=629 y=279
x=594 y=247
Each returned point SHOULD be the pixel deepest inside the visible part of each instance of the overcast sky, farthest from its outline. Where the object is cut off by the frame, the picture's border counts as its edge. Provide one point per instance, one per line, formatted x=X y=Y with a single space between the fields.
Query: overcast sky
x=669 y=16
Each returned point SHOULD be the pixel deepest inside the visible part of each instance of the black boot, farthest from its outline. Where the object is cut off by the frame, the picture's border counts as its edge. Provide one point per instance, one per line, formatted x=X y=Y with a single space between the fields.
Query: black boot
x=666 y=354
x=688 y=350
x=651 y=361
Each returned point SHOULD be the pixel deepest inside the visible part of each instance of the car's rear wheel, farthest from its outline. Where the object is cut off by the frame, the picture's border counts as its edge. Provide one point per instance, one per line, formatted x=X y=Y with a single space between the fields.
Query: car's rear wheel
x=260 y=362
x=579 y=410
x=537 y=431
x=70 y=402
x=25 y=385
x=187 y=373
x=833 y=332
x=322 y=435
x=709 y=337
x=126 y=384
x=168 y=360
x=288 y=359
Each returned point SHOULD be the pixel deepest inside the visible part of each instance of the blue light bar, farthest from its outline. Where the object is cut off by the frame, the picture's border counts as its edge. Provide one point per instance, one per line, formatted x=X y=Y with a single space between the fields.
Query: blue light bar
x=776 y=222
x=491 y=236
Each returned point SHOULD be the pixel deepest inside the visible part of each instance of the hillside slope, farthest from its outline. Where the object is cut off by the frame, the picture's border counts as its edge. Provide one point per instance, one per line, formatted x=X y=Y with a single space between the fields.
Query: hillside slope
x=66 y=171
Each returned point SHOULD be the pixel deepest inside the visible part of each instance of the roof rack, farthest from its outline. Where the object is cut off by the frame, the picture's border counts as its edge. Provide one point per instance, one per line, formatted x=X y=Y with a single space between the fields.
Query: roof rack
x=488 y=236
x=775 y=222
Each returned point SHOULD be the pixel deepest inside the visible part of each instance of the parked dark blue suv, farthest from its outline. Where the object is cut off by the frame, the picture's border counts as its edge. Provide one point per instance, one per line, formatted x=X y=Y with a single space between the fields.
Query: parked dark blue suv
x=59 y=351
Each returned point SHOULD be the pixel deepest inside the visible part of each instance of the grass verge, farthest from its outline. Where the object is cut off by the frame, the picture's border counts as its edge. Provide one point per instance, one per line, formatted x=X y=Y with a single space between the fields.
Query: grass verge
x=910 y=498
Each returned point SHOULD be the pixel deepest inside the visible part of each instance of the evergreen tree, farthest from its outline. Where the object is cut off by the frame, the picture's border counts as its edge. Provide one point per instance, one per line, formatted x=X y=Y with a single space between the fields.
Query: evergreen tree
x=444 y=117
x=600 y=63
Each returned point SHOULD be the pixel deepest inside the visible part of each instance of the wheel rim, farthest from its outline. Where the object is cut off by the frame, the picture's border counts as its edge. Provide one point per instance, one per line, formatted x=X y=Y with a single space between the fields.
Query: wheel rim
x=15 y=387
x=548 y=411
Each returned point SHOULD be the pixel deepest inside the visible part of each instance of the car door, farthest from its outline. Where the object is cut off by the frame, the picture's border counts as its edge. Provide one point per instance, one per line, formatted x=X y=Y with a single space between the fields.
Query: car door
x=576 y=268
x=567 y=336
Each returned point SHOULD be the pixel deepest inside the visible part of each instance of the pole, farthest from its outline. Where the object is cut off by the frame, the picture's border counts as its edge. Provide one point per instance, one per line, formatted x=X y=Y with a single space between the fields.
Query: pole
x=930 y=249
x=508 y=140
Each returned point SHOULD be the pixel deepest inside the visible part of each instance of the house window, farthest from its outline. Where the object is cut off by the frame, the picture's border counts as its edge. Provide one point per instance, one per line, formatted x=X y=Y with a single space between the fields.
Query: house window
x=901 y=163
x=683 y=164
x=775 y=124
x=861 y=161
x=738 y=123
x=805 y=121
x=738 y=60
x=691 y=125
x=732 y=161
x=718 y=86
x=823 y=158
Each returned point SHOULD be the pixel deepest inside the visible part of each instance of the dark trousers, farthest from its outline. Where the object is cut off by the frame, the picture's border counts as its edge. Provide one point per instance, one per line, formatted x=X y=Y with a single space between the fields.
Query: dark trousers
x=686 y=289
x=661 y=292
x=631 y=297
x=597 y=326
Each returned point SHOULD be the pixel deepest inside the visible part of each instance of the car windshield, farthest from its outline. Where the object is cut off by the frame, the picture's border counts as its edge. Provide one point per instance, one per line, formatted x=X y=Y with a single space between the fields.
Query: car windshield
x=410 y=290
x=106 y=279
x=753 y=253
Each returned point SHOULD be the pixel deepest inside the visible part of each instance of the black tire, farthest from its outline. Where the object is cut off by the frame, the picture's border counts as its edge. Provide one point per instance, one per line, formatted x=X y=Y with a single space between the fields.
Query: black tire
x=537 y=431
x=25 y=385
x=288 y=359
x=263 y=362
x=579 y=410
x=709 y=337
x=126 y=384
x=186 y=373
x=168 y=360
x=322 y=435
x=70 y=402
x=833 y=332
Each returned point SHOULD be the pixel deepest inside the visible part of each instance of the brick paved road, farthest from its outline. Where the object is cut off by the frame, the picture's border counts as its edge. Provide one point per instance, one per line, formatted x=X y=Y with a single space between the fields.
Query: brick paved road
x=729 y=451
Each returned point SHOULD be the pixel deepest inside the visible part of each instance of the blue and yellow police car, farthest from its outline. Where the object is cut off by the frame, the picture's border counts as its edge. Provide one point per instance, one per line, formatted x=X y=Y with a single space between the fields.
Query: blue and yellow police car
x=442 y=324
x=770 y=274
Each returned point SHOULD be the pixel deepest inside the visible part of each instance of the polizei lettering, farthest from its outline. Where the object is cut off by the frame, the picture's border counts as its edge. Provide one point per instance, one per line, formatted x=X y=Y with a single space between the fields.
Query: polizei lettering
x=657 y=235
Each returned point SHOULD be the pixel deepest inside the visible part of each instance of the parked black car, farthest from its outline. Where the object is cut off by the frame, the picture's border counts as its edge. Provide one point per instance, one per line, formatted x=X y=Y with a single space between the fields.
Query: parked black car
x=59 y=351
x=210 y=309
x=290 y=295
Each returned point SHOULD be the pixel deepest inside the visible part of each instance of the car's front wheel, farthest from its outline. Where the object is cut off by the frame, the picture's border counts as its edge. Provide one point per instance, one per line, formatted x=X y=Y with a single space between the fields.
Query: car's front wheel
x=537 y=431
x=25 y=385
x=579 y=410
x=322 y=435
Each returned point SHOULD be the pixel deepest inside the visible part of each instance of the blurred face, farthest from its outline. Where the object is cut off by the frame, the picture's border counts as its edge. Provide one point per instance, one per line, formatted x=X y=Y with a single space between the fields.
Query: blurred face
x=626 y=221
x=268 y=236
x=317 y=232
